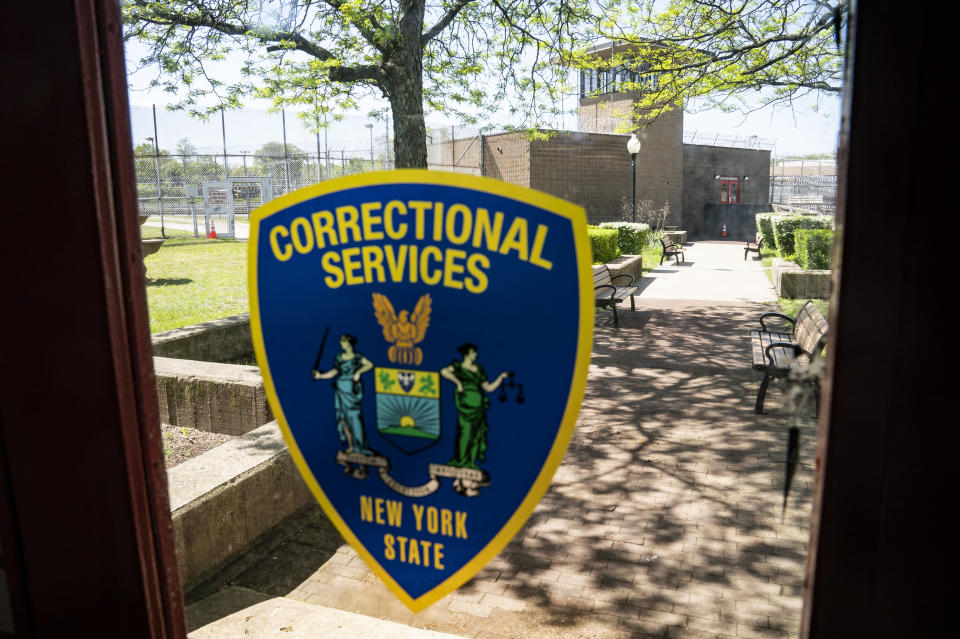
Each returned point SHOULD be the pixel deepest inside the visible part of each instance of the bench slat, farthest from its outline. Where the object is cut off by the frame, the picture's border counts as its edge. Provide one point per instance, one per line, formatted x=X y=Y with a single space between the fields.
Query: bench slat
x=809 y=334
x=759 y=342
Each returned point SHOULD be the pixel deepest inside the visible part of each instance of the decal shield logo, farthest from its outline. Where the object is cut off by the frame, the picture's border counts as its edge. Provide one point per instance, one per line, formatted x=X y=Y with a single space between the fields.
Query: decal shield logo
x=424 y=340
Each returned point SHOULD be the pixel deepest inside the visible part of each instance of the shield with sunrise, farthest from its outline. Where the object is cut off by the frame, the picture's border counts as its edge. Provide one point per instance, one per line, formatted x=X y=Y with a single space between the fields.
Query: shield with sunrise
x=424 y=339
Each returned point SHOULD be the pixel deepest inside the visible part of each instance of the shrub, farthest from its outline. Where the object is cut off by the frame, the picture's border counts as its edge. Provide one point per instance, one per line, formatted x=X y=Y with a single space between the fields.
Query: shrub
x=813 y=248
x=784 y=227
x=632 y=237
x=765 y=228
x=603 y=244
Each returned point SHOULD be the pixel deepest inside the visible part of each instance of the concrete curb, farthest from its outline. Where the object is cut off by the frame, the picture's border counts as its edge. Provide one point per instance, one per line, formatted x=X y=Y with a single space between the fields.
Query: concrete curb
x=220 y=398
x=225 y=499
x=222 y=340
x=254 y=616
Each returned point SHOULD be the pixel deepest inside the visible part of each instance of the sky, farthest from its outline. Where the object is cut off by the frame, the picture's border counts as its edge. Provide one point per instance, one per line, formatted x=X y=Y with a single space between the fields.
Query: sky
x=800 y=130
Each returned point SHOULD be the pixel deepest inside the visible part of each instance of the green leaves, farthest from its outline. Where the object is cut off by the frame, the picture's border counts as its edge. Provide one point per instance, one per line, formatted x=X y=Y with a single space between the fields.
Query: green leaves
x=719 y=54
x=468 y=59
x=814 y=248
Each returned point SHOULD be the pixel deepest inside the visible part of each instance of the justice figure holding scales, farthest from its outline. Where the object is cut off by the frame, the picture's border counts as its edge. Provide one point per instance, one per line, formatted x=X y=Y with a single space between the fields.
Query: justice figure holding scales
x=472 y=404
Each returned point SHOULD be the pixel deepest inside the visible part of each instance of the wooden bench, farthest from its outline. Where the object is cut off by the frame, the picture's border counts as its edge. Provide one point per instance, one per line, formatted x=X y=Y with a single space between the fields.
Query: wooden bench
x=805 y=200
x=672 y=249
x=753 y=247
x=780 y=355
x=607 y=292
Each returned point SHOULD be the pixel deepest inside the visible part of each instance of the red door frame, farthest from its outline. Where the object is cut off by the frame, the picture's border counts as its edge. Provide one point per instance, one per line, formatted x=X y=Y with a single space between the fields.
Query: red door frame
x=84 y=513
x=885 y=485
x=730 y=186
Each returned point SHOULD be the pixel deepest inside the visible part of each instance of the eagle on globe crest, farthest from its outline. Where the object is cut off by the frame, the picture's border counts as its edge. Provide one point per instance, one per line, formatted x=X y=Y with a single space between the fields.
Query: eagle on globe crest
x=405 y=330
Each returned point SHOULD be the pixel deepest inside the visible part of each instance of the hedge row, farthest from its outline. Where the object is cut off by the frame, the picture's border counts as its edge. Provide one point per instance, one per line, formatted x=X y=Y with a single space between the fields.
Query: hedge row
x=778 y=229
x=765 y=228
x=603 y=244
x=632 y=237
x=813 y=248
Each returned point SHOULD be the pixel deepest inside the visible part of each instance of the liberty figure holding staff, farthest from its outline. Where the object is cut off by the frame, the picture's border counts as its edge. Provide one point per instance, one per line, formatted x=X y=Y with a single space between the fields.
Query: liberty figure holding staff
x=348 y=367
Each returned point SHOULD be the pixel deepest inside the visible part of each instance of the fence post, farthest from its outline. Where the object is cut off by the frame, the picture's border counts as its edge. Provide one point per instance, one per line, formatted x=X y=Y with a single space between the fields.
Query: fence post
x=156 y=169
x=286 y=157
x=183 y=159
x=386 y=139
x=326 y=145
x=319 y=171
x=223 y=131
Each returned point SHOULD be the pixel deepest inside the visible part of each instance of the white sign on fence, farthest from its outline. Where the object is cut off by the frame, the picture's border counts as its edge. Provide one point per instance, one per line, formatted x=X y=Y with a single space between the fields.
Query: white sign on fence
x=218 y=199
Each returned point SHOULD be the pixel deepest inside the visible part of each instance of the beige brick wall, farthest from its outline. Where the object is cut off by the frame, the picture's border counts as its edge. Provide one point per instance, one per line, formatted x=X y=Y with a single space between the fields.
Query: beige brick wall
x=605 y=113
x=588 y=169
x=593 y=169
x=660 y=163
x=507 y=157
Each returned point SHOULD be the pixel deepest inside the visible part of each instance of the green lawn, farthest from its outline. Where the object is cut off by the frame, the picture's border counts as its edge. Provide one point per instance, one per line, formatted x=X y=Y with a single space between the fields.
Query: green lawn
x=767 y=254
x=651 y=256
x=196 y=280
x=791 y=306
x=192 y=280
x=788 y=305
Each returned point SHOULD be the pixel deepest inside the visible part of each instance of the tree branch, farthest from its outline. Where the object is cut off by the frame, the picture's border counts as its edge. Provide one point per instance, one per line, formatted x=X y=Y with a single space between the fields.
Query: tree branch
x=442 y=24
x=154 y=13
x=370 y=35
x=360 y=73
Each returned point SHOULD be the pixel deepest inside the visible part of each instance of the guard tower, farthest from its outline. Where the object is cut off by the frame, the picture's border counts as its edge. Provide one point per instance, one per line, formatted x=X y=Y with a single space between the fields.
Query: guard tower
x=606 y=104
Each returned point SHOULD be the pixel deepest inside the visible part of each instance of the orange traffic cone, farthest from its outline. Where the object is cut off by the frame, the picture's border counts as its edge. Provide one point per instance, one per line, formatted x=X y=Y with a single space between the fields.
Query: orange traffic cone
x=723 y=231
x=213 y=231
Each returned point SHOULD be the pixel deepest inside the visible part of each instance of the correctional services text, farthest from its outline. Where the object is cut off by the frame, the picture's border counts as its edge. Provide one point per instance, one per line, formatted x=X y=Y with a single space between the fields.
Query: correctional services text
x=388 y=230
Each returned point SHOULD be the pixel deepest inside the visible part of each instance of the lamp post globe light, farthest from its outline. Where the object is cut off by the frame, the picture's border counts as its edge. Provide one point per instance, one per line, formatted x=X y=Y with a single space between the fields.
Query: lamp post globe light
x=633 y=147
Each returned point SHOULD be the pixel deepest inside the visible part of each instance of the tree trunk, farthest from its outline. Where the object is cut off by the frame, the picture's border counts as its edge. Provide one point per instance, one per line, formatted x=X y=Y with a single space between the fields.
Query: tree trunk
x=404 y=84
x=409 y=130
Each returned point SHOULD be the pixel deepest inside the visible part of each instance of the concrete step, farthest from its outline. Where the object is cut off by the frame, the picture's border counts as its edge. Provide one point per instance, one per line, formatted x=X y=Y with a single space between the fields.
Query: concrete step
x=241 y=612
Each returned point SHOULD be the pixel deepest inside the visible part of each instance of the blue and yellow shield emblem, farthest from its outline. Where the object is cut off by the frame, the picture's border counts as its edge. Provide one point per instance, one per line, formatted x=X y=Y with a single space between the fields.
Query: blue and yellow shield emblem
x=408 y=407
x=424 y=340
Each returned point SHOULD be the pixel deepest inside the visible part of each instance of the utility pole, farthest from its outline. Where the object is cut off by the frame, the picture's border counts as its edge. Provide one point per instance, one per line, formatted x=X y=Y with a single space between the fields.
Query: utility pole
x=370 y=126
x=326 y=146
x=386 y=131
x=156 y=167
x=223 y=131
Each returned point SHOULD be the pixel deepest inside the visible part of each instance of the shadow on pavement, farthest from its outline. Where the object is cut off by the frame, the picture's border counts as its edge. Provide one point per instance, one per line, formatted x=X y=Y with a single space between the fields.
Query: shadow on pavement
x=664 y=518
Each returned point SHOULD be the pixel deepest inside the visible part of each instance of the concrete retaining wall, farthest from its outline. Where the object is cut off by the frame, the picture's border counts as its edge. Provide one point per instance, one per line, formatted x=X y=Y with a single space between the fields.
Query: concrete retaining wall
x=220 y=398
x=222 y=340
x=804 y=284
x=229 y=497
x=627 y=265
x=791 y=281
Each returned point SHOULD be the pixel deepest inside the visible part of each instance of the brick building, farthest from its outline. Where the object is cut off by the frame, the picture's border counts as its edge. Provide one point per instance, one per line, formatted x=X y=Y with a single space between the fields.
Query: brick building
x=705 y=186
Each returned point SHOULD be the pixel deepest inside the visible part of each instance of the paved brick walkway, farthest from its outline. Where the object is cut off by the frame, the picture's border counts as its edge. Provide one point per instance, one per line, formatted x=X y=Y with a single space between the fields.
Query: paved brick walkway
x=665 y=519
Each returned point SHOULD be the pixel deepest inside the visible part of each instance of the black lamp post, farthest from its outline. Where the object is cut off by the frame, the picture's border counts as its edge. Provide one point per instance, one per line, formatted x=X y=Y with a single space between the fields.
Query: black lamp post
x=633 y=147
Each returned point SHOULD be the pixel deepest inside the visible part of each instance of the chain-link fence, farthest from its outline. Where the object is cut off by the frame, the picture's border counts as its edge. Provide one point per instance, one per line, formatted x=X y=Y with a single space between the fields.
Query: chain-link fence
x=730 y=141
x=169 y=185
x=808 y=184
x=164 y=181
x=276 y=145
x=279 y=147
x=808 y=192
